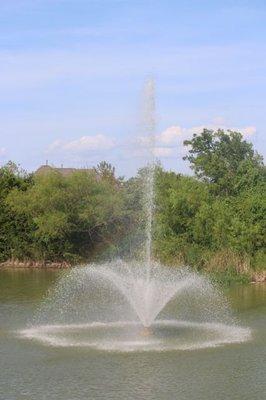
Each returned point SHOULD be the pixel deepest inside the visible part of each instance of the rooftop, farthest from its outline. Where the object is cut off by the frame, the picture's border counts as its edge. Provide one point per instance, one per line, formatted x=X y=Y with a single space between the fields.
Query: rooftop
x=64 y=171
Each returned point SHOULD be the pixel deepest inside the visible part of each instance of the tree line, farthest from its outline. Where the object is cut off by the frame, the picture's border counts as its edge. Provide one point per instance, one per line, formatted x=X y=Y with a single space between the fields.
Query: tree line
x=214 y=220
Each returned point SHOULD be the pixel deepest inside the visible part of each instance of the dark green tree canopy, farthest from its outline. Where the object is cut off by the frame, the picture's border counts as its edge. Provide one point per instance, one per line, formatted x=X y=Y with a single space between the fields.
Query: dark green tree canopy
x=223 y=159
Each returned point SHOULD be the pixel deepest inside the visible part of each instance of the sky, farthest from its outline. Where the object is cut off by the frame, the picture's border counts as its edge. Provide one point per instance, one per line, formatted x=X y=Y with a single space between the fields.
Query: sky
x=72 y=73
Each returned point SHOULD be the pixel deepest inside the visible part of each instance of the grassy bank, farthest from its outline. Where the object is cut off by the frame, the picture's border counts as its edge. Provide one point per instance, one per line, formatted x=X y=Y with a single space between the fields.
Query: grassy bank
x=224 y=266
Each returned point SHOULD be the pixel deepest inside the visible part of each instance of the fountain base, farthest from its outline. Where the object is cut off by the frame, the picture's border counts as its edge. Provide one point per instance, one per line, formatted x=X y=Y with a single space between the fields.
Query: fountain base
x=121 y=336
x=146 y=331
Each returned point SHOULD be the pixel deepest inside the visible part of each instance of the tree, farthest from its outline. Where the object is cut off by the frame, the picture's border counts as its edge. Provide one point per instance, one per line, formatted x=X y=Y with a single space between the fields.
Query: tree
x=225 y=160
x=178 y=201
x=69 y=214
x=106 y=171
x=14 y=232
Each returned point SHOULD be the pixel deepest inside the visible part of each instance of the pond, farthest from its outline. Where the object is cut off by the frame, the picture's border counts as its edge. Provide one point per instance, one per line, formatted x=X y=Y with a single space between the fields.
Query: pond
x=32 y=370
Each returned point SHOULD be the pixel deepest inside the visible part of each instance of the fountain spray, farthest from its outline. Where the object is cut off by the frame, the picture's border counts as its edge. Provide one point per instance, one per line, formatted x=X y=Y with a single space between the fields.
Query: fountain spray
x=104 y=306
x=149 y=125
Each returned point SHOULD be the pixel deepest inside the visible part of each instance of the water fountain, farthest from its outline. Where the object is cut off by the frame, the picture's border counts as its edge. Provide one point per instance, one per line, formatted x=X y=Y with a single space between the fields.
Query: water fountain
x=136 y=305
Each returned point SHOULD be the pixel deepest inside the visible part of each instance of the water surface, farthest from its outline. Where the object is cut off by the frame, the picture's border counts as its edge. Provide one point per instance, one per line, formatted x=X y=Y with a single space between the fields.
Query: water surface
x=31 y=370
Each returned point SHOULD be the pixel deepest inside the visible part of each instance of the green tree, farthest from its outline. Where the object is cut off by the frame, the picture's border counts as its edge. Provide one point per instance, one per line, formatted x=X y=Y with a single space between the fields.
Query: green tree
x=225 y=160
x=14 y=231
x=69 y=214
x=178 y=200
x=106 y=171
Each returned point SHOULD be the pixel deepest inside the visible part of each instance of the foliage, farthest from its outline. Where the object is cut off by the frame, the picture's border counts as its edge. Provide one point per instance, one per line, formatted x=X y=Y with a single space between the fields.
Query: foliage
x=215 y=221
x=221 y=212
x=69 y=214
x=225 y=160
x=15 y=233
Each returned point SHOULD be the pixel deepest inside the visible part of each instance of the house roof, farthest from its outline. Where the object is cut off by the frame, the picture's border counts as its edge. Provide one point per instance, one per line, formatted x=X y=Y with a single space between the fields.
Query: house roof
x=64 y=171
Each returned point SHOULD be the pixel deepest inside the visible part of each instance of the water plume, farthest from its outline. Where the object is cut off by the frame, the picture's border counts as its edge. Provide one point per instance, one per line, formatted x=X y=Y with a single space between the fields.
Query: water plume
x=148 y=126
x=136 y=305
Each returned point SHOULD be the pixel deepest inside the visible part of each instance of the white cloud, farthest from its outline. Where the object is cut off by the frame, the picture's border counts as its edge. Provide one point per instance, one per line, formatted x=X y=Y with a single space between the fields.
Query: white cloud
x=248 y=131
x=170 y=135
x=170 y=141
x=167 y=144
x=82 y=145
x=87 y=143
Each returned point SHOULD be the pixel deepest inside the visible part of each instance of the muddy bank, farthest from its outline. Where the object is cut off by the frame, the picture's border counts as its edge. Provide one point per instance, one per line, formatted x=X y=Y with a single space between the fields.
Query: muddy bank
x=258 y=277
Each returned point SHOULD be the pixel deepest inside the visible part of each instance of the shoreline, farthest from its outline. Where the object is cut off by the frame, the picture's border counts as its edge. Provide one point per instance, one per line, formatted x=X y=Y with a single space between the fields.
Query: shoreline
x=16 y=264
x=255 y=277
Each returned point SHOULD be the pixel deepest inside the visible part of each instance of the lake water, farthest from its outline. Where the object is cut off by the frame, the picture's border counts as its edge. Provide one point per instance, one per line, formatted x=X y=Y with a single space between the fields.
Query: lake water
x=33 y=371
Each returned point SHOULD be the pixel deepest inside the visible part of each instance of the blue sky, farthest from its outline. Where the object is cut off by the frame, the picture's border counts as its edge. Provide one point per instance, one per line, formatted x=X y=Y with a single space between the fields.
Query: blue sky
x=71 y=73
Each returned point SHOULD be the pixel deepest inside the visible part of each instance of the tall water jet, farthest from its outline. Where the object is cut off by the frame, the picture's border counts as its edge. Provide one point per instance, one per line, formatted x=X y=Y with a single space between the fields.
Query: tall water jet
x=148 y=126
